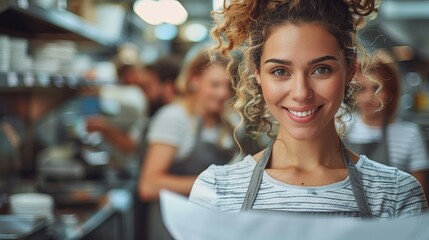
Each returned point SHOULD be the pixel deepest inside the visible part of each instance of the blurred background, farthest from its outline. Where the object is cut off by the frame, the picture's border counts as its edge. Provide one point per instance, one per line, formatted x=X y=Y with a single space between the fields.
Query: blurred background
x=55 y=55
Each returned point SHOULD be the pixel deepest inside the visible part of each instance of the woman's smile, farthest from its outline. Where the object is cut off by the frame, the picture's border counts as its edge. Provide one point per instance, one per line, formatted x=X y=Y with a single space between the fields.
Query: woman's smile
x=302 y=115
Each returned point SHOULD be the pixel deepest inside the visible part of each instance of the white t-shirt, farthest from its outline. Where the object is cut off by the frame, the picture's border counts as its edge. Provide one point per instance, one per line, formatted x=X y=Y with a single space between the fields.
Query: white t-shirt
x=390 y=192
x=406 y=144
x=173 y=125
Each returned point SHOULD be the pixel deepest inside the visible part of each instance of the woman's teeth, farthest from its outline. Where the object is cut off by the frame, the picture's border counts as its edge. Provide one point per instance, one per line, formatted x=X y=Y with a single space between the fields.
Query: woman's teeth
x=303 y=114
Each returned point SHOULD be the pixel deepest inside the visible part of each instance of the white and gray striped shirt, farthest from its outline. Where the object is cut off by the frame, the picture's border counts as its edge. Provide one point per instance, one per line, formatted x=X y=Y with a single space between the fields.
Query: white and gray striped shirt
x=390 y=192
x=406 y=144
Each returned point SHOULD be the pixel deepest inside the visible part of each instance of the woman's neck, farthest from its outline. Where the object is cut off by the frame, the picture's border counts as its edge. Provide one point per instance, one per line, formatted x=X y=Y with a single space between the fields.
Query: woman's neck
x=323 y=150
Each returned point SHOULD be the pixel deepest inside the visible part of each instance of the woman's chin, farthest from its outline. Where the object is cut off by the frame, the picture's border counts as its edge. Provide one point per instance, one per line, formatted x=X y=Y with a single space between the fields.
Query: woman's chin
x=302 y=134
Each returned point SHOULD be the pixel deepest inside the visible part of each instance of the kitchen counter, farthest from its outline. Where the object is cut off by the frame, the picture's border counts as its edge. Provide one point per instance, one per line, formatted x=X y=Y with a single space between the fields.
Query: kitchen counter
x=80 y=221
x=111 y=217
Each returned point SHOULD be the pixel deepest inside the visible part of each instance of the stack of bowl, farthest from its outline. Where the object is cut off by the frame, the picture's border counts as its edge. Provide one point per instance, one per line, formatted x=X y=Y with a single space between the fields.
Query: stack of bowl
x=35 y=204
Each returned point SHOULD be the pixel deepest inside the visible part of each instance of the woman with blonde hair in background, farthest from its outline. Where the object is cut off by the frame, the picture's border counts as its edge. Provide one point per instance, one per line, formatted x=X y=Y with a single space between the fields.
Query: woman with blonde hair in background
x=378 y=134
x=300 y=59
x=185 y=137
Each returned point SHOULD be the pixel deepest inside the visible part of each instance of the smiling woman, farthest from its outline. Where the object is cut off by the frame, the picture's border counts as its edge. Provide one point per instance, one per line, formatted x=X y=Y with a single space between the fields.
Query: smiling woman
x=300 y=59
x=301 y=87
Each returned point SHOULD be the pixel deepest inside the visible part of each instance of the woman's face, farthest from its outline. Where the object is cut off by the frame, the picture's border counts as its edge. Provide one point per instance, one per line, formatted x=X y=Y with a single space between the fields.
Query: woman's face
x=213 y=88
x=367 y=103
x=303 y=74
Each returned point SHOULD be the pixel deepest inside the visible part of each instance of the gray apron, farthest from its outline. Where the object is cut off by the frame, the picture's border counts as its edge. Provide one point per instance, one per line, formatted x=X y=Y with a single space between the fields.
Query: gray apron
x=354 y=175
x=377 y=151
x=201 y=157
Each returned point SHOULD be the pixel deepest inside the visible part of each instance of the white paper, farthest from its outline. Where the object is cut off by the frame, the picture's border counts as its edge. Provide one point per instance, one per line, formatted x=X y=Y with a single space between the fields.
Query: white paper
x=189 y=221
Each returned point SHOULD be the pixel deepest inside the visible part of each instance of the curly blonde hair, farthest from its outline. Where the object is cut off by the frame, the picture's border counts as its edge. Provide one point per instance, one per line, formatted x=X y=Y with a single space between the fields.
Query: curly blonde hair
x=246 y=24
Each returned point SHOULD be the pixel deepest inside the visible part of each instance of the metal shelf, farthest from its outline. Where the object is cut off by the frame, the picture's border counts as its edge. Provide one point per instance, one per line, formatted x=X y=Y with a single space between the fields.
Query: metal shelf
x=23 y=82
x=20 y=17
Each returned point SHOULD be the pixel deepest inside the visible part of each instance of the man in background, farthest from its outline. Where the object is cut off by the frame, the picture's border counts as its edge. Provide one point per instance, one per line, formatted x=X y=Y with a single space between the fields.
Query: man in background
x=158 y=82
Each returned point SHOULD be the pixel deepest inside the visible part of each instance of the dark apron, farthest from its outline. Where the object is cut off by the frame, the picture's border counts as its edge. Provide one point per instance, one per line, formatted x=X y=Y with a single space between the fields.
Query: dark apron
x=354 y=175
x=377 y=151
x=201 y=157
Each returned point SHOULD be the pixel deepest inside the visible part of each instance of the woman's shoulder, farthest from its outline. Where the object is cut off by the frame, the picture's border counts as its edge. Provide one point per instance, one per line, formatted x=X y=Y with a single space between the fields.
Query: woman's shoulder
x=382 y=176
x=405 y=127
x=214 y=181
x=171 y=114
x=239 y=168
x=170 y=122
x=377 y=172
x=389 y=186
x=175 y=110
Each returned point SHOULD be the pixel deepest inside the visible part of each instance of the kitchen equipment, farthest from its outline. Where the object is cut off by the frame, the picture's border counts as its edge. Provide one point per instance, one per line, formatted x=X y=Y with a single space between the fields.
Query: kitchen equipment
x=58 y=163
x=36 y=204
x=74 y=192
x=23 y=227
x=11 y=139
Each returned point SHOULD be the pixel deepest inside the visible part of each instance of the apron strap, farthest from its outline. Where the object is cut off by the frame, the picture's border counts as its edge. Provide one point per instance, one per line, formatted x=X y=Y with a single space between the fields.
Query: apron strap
x=354 y=175
x=384 y=141
x=256 y=179
x=357 y=185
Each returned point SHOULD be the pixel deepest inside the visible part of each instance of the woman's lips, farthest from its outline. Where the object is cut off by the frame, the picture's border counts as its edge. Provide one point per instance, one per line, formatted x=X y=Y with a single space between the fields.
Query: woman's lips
x=302 y=115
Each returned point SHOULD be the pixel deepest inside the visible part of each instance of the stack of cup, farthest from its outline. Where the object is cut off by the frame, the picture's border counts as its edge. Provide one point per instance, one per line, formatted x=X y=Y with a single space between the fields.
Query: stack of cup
x=4 y=53
x=36 y=204
x=19 y=59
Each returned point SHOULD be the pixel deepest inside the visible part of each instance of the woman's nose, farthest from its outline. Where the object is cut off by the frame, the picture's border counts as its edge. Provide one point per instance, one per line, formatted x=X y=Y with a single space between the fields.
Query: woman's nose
x=301 y=89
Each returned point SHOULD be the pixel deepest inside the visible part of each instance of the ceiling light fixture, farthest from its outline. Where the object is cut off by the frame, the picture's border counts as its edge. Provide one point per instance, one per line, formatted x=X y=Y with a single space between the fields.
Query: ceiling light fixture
x=162 y=11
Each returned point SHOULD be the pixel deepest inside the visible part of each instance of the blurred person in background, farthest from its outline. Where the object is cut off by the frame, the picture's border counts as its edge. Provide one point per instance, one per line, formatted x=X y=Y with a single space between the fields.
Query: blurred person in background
x=158 y=82
x=378 y=134
x=187 y=136
x=124 y=115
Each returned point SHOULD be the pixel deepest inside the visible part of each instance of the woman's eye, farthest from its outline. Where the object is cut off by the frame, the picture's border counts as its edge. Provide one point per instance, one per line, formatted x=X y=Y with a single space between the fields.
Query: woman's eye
x=322 y=71
x=280 y=72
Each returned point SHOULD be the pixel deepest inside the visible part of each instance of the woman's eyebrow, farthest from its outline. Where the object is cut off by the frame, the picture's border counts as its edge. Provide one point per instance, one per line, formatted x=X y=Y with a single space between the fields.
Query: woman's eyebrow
x=321 y=59
x=279 y=61
x=312 y=62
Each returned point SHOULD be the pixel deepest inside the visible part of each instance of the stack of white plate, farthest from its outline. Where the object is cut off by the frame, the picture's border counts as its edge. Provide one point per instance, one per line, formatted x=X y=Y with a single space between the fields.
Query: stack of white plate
x=4 y=53
x=32 y=204
x=55 y=57
x=19 y=59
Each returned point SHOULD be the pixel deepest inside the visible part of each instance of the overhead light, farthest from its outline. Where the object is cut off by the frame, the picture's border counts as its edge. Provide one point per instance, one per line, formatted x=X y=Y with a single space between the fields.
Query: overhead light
x=194 y=32
x=173 y=12
x=162 y=11
x=148 y=10
x=166 y=32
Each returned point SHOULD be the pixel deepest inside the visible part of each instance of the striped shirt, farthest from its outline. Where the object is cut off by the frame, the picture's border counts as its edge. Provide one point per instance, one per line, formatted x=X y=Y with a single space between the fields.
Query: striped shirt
x=405 y=141
x=390 y=192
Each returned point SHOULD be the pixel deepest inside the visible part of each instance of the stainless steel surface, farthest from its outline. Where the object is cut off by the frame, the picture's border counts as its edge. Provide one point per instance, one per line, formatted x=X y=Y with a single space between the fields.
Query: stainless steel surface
x=74 y=192
x=23 y=227
x=406 y=22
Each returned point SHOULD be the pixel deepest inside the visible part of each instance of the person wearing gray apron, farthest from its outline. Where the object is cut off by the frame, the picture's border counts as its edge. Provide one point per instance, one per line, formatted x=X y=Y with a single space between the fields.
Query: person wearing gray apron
x=378 y=151
x=354 y=175
x=200 y=158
